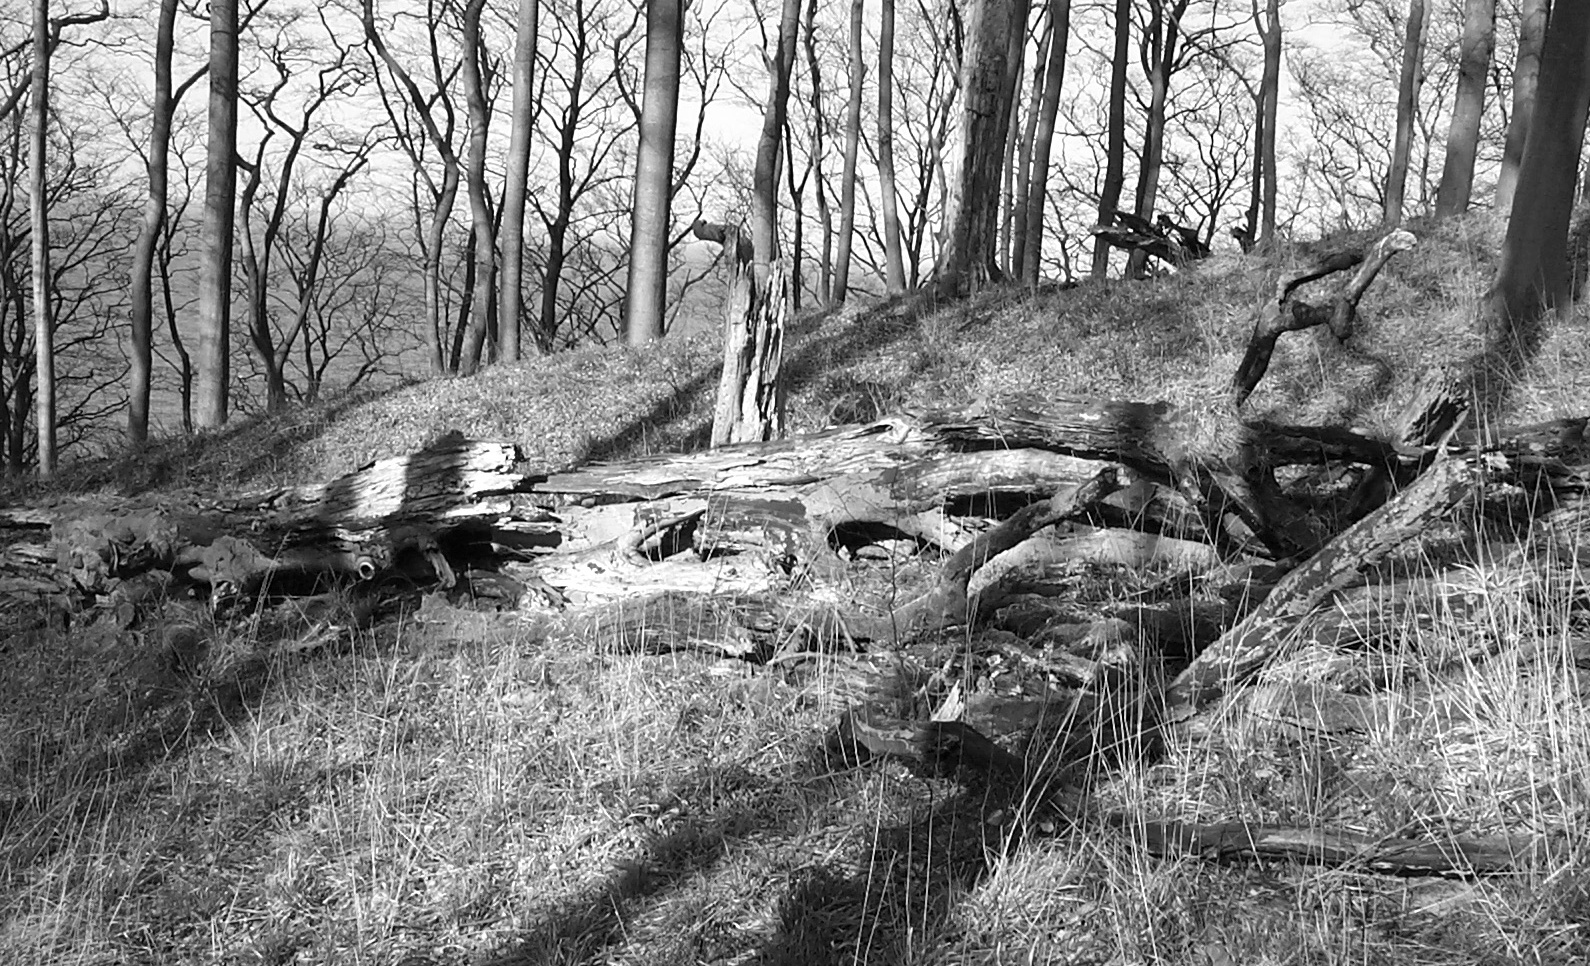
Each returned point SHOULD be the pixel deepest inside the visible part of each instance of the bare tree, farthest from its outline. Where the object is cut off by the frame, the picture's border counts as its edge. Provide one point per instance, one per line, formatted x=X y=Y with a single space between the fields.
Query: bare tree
x=1533 y=277
x=1115 y=142
x=1410 y=79
x=889 y=200
x=1462 y=140
x=157 y=163
x=847 y=177
x=439 y=136
x=1028 y=261
x=220 y=187
x=477 y=77
x=654 y=166
x=39 y=221
x=967 y=261
x=1269 y=109
x=527 y=28
x=1526 y=74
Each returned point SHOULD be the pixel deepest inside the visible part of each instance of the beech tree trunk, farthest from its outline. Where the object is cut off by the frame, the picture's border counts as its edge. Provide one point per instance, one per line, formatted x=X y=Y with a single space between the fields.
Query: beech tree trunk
x=1526 y=76
x=888 y=201
x=220 y=187
x=971 y=246
x=646 y=290
x=1533 y=277
x=1036 y=207
x=1158 y=48
x=516 y=186
x=1408 y=85
x=847 y=178
x=483 y=224
x=1115 y=138
x=815 y=159
x=1463 y=138
x=1270 y=88
x=1021 y=190
x=141 y=337
x=441 y=362
x=39 y=227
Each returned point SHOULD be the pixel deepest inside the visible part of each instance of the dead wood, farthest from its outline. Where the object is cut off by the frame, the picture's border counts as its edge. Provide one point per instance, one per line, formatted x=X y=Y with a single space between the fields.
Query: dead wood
x=1285 y=313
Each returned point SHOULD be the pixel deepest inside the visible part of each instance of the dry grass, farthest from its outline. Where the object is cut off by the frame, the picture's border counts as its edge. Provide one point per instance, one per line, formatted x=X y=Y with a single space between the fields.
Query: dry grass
x=457 y=787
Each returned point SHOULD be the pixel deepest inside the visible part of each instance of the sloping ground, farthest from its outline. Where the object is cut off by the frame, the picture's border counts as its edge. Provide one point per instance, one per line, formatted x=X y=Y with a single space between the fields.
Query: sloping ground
x=462 y=787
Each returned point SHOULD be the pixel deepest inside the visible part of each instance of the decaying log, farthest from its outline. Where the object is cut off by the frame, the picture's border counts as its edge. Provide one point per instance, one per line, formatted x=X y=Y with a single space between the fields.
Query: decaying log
x=1285 y=313
x=1251 y=642
x=1164 y=238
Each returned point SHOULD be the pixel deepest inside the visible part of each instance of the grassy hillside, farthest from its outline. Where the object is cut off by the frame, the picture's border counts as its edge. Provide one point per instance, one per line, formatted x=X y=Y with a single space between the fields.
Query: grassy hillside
x=468 y=787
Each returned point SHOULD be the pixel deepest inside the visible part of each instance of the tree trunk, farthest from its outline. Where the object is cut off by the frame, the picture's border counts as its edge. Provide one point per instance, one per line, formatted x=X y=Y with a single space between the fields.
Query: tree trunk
x=1018 y=144
x=1022 y=189
x=646 y=290
x=436 y=233
x=1533 y=276
x=764 y=187
x=968 y=260
x=894 y=260
x=1115 y=139
x=480 y=214
x=1463 y=138
x=847 y=178
x=39 y=226
x=1270 y=86
x=1526 y=75
x=220 y=186
x=140 y=368
x=1159 y=55
x=517 y=184
x=825 y=214
x=1038 y=184
x=1408 y=85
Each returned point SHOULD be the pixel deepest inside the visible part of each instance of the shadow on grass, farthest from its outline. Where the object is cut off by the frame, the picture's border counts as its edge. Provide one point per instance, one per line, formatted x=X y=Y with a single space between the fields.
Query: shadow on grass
x=872 y=906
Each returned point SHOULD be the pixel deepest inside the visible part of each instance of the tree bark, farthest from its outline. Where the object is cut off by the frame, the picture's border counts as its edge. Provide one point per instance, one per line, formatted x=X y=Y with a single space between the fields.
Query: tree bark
x=968 y=260
x=847 y=178
x=1021 y=189
x=1533 y=277
x=141 y=336
x=1463 y=138
x=1411 y=79
x=894 y=260
x=39 y=227
x=1115 y=139
x=646 y=290
x=483 y=224
x=517 y=184
x=1043 y=141
x=764 y=186
x=1534 y=15
x=220 y=186
x=1270 y=86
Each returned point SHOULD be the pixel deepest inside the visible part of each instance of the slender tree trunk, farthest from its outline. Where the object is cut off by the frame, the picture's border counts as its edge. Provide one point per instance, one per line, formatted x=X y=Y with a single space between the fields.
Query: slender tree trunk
x=968 y=260
x=39 y=225
x=764 y=188
x=1526 y=75
x=815 y=159
x=480 y=214
x=1270 y=85
x=847 y=178
x=1408 y=85
x=1022 y=190
x=517 y=184
x=436 y=233
x=1038 y=184
x=1017 y=48
x=140 y=369
x=220 y=186
x=889 y=201
x=1115 y=139
x=654 y=171
x=1533 y=276
x=1463 y=138
x=1160 y=56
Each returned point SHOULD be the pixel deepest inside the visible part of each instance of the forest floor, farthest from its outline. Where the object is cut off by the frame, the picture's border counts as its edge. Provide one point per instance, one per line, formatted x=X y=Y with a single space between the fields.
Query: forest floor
x=457 y=785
